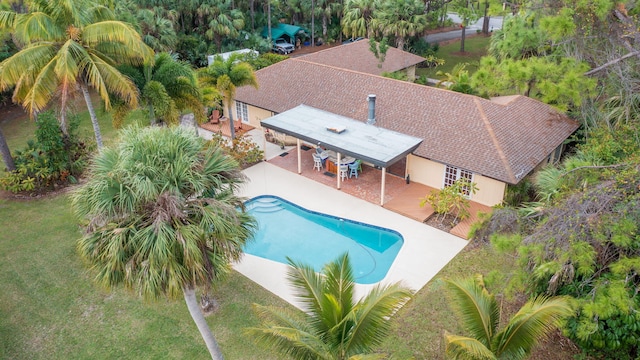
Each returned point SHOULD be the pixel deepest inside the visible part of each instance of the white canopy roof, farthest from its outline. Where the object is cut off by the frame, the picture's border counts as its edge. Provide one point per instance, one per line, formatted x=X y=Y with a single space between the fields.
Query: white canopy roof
x=350 y=137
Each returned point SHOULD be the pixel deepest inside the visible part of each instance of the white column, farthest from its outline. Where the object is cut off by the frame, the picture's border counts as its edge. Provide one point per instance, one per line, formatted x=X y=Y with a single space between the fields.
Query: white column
x=264 y=143
x=384 y=178
x=338 y=170
x=299 y=158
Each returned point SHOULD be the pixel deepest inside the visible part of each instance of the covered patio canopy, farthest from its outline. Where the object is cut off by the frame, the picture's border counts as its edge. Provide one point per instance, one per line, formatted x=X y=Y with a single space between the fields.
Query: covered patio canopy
x=372 y=144
x=281 y=30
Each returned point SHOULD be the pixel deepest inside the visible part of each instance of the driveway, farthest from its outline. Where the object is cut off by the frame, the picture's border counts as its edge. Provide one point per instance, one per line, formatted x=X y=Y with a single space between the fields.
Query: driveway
x=495 y=23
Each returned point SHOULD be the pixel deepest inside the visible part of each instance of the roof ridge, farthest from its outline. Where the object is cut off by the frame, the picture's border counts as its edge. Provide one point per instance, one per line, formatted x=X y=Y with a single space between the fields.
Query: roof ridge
x=496 y=144
x=417 y=85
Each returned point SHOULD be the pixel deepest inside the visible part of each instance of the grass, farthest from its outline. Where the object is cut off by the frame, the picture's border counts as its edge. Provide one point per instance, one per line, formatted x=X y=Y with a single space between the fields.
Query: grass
x=475 y=47
x=50 y=308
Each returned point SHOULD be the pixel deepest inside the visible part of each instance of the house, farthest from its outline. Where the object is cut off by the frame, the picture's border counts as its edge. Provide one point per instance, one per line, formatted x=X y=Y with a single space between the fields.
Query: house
x=494 y=143
x=358 y=57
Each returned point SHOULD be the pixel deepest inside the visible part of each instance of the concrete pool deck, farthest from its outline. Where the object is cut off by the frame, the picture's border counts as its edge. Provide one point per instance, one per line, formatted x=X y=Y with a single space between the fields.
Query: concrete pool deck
x=426 y=250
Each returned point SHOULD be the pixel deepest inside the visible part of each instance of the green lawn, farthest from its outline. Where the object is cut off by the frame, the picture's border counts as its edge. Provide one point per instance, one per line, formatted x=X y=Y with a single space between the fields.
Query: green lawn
x=475 y=47
x=50 y=308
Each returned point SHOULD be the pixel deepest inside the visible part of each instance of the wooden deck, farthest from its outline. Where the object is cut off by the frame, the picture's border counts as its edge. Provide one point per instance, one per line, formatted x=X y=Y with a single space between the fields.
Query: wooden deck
x=399 y=197
x=222 y=127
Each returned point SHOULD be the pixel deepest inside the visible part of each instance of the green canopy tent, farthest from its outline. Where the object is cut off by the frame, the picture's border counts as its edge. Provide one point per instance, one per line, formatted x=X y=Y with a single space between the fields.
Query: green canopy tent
x=286 y=31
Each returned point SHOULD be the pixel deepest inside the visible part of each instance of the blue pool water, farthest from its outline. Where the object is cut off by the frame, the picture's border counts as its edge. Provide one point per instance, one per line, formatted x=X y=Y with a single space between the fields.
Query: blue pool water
x=285 y=229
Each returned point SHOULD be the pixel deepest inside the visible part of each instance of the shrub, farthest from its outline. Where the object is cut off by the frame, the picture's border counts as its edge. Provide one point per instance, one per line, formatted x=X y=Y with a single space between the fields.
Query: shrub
x=263 y=60
x=452 y=199
x=242 y=149
x=52 y=159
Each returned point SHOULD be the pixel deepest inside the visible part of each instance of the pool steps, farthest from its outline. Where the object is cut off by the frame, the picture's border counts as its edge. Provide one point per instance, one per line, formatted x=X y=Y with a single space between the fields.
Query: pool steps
x=265 y=205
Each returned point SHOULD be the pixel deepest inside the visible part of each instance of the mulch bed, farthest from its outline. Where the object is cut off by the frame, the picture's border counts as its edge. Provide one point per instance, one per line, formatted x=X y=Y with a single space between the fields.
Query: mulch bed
x=444 y=223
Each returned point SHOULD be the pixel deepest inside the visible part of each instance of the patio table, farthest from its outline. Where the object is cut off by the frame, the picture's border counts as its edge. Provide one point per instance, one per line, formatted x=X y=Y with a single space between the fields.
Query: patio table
x=332 y=161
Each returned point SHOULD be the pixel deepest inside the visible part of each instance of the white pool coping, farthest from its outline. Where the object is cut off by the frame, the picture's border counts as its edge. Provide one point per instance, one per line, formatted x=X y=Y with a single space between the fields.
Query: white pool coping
x=426 y=250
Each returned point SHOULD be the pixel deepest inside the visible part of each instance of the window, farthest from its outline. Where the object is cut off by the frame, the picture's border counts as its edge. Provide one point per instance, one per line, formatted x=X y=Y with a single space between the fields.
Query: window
x=242 y=112
x=451 y=174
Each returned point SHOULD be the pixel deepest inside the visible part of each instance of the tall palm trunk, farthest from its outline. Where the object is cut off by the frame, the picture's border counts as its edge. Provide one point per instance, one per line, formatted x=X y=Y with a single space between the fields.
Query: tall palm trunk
x=269 y=17
x=201 y=323
x=233 y=128
x=6 y=153
x=252 y=13
x=92 y=113
x=63 y=110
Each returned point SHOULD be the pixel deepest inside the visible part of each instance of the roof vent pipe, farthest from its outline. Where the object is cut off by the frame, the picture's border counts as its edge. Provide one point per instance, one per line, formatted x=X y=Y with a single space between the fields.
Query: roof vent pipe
x=372 y=109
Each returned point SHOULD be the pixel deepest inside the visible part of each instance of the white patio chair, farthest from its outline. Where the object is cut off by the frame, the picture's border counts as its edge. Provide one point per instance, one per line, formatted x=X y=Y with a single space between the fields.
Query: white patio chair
x=344 y=172
x=317 y=162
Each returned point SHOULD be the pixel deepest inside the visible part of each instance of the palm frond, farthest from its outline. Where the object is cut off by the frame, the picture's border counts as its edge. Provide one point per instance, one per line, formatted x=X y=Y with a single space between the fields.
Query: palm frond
x=7 y=19
x=289 y=334
x=39 y=94
x=535 y=320
x=548 y=182
x=466 y=348
x=163 y=106
x=308 y=286
x=372 y=316
x=479 y=309
x=106 y=79
x=35 y=27
x=133 y=50
x=15 y=68
x=339 y=282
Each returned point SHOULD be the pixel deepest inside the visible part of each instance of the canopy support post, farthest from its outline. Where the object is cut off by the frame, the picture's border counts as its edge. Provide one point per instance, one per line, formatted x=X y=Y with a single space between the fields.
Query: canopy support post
x=338 y=170
x=382 y=182
x=299 y=157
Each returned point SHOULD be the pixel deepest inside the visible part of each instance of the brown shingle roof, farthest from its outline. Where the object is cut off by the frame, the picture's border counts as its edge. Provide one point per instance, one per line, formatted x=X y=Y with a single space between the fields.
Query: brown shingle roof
x=357 y=56
x=503 y=140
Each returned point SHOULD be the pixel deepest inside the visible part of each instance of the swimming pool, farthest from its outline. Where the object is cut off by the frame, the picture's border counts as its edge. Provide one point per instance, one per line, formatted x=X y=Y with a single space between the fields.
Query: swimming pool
x=286 y=229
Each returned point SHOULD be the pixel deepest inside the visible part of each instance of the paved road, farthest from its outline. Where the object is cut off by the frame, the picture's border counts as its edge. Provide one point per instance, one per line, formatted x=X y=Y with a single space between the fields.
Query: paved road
x=494 y=24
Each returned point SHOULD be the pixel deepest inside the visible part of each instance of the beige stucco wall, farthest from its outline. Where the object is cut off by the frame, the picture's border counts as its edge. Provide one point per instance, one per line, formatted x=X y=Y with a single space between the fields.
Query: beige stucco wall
x=256 y=114
x=490 y=192
x=425 y=171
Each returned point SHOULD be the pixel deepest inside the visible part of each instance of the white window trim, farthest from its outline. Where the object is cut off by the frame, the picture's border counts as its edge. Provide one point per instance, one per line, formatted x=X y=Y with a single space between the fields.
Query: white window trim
x=244 y=108
x=458 y=172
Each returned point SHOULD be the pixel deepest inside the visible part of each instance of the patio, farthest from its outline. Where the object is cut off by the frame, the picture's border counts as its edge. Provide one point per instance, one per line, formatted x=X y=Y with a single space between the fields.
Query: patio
x=399 y=197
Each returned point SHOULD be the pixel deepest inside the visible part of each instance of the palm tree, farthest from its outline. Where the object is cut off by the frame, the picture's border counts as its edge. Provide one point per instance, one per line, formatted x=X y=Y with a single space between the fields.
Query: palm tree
x=157 y=31
x=480 y=315
x=457 y=80
x=161 y=216
x=69 y=44
x=357 y=18
x=333 y=326
x=400 y=19
x=167 y=88
x=468 y=14
x=6 y=153
x=226 y=76
x=224 y=21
